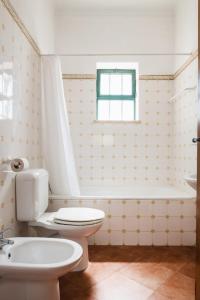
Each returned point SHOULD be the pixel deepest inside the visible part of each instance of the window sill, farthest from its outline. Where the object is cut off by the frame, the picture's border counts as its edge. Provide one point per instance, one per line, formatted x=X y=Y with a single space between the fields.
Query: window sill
x=122 y=122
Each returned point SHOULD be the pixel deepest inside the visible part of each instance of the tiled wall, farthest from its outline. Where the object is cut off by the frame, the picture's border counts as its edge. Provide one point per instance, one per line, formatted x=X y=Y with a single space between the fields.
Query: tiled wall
x=20 y=123
x=117 y=153
x=144 y=222
x=184 y=111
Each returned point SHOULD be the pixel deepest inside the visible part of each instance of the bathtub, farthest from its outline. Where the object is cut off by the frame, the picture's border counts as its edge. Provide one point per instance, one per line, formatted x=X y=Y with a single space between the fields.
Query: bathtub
x=145 y=192
x=140 y=215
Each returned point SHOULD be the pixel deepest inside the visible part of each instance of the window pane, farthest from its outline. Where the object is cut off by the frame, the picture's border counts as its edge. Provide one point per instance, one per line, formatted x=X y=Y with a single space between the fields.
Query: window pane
x=104 y=84
x=115 y=84
x=115 y=110
x=103 y=110
x=128 y=110
x=127 y=84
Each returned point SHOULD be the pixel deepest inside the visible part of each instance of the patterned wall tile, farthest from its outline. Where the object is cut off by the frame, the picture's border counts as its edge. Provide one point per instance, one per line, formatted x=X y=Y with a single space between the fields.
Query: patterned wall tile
x=184 y=126
x=19 y=109
x=162 y=223
x=121 y=154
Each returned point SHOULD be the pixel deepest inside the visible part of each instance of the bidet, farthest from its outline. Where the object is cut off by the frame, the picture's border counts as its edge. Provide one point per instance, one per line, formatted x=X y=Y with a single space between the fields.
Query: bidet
x=30 y=268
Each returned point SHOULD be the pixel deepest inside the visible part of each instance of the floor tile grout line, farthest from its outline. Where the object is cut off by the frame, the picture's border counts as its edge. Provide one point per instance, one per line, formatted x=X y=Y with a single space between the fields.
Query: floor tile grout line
x=104 y=279
x=163 y=284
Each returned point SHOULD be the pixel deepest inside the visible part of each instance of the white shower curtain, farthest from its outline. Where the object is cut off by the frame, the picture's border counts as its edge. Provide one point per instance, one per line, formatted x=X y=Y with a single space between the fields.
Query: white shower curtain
x=57 y=144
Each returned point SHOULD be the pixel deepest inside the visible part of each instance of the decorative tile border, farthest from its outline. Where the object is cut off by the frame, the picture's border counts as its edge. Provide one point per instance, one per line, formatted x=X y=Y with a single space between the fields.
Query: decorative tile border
x=21 y=25
x=156 y=77
x=192 y=57
x=79 y=76
x=93 y=76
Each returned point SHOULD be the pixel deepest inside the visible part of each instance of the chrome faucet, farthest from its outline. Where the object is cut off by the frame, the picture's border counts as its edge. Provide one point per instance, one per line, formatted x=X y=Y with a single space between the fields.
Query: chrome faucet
x=4 y=241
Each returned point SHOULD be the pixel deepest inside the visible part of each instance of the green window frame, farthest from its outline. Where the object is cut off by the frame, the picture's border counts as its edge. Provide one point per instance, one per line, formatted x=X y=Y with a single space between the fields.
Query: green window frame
x=111 y=97
x=118 y=72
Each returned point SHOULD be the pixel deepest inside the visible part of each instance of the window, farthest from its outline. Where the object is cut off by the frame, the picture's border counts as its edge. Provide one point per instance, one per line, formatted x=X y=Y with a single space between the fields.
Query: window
x=6 y=90
x=116 y=94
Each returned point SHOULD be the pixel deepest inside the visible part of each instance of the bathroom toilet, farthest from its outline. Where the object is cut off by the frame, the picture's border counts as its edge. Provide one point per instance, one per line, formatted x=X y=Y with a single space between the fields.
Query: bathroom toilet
x=75 y=223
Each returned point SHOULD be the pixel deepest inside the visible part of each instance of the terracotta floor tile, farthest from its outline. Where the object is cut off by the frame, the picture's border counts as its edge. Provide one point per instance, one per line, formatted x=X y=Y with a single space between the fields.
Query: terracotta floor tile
x=114 y=253
x=157 y=296
x=175 y=260
x=126 y=272
x=118 y=287
x=151 y=275
x=95 y=273
x=76 y=281
x=179 y=287
x=78 y=295
x=171 y=256
x=188 y=269
x=101 y=270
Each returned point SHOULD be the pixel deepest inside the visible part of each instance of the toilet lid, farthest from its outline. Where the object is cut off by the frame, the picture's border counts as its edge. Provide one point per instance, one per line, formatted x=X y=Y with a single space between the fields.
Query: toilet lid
x=78 y=215
x=77 y=223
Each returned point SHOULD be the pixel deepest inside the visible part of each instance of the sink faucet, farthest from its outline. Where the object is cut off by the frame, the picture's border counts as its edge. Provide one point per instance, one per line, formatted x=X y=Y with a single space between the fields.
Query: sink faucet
x=4 y=241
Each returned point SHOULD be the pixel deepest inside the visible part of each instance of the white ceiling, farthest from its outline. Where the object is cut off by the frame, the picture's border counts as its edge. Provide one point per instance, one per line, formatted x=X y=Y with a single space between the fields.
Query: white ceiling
x=87 y=6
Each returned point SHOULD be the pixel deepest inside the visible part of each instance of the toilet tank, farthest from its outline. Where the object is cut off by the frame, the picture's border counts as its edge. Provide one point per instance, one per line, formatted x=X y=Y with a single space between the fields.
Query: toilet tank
x=31 y=194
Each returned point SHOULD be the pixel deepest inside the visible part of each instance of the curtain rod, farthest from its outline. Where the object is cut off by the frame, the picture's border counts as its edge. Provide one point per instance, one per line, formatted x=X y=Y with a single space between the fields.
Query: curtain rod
x=119 y=54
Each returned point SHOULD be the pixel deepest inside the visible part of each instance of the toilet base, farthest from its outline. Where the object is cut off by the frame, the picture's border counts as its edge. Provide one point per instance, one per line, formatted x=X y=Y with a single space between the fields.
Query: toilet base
x=83 y=264
x=83 y=242
x=29 y=290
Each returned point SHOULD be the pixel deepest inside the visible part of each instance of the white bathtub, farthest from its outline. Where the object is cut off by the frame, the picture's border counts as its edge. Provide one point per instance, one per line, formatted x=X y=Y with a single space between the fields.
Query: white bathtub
x=140 y=215
x=145 y=192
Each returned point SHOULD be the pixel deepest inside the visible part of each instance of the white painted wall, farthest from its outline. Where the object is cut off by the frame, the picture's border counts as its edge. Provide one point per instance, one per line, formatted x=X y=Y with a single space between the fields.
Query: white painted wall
x=38 y=17
x=186 y=25
x=186 y=28
x=130 y=33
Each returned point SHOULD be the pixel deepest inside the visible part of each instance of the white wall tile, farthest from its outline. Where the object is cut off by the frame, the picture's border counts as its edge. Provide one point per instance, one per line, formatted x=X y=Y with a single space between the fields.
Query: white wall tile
x=131 y=223
x=116 y=223
x=188 y=224
x=174 y=208
x=102 y=238
x=159 y=238
x=116 y=238
x=145 y=224
x=174 y=239
x=145 y=239
x=145 y=208
x=130 y=238
x=174 y=224
x=188 y=238
x=20 y=135
x=160 y=208
x=160 y=224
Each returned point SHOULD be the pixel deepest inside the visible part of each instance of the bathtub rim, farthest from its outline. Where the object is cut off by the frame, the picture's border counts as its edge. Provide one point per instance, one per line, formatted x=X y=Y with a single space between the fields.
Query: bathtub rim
x=115 y=198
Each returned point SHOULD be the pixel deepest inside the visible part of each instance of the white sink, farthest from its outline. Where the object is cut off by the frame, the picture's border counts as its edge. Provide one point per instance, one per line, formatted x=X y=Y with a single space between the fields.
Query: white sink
x=192 y=181
x=30 y=268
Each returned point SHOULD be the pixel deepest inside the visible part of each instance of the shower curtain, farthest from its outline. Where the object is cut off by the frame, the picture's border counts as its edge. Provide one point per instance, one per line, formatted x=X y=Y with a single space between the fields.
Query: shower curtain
x=56 y=140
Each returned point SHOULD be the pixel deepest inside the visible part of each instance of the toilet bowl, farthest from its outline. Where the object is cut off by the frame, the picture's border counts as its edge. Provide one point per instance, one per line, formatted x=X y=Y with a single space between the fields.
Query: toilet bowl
x=30 y=268
x=75 y=223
